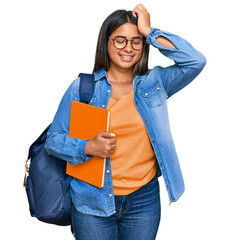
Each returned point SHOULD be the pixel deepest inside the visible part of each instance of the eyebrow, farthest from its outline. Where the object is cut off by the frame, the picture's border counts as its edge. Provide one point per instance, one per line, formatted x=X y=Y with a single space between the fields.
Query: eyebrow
x=136 y=37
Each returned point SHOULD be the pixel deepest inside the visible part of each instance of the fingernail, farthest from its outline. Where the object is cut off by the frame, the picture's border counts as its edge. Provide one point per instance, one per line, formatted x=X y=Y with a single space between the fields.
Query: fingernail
x=112 y=134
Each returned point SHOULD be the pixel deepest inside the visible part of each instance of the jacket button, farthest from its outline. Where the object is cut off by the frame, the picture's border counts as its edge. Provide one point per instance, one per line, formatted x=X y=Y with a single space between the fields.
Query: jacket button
x=146 y=121
x=108 y=90
x=103 y=106
x=136 y=102
x=110 y=195
x=153 y=141
x=161 y=164
x=158 y=88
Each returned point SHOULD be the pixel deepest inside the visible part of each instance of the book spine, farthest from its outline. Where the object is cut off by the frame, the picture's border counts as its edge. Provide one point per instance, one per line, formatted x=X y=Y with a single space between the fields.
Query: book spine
x=103 y=178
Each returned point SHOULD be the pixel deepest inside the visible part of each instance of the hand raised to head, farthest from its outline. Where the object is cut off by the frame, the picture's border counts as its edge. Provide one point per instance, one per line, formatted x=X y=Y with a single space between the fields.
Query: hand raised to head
x=143 y=22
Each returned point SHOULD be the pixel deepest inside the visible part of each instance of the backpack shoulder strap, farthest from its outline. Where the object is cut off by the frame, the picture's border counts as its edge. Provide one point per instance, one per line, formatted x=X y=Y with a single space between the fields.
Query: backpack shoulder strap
x=87 y=86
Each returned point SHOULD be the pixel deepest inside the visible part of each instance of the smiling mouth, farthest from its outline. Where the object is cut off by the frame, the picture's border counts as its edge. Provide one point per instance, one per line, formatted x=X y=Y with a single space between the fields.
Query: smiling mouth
x=126 y=58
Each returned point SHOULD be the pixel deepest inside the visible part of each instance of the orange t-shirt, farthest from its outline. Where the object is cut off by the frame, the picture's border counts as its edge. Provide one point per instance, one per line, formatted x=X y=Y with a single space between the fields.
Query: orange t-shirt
x=133 y=161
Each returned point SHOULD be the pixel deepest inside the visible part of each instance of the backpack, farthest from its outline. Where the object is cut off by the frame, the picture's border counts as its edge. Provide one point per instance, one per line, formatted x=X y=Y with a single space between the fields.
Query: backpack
x=47 y=184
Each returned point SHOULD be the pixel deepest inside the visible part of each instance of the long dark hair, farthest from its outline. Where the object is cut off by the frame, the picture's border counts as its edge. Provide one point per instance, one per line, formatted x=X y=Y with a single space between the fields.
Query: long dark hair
x=111 y=23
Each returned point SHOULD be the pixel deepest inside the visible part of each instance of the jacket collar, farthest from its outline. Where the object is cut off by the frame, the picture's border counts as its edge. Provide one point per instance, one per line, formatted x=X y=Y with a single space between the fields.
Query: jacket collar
x=100 y=73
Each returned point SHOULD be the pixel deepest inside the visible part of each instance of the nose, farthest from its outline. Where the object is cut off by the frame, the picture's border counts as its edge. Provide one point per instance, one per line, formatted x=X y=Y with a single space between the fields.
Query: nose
x=128 y=47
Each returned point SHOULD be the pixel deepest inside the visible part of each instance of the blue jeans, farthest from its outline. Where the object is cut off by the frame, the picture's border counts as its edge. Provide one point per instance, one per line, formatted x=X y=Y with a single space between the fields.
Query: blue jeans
x=137 y=217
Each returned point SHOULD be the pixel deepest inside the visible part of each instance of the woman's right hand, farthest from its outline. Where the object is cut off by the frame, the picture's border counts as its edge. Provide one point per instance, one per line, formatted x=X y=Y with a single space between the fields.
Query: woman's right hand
x=102 y=145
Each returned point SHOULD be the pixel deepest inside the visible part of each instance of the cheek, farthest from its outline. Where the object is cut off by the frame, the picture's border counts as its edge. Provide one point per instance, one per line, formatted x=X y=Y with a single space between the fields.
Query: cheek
x=111 y=51
x=138 y=57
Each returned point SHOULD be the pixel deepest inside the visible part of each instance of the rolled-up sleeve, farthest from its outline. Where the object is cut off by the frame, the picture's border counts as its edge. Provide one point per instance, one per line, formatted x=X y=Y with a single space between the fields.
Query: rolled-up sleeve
x=188 y=61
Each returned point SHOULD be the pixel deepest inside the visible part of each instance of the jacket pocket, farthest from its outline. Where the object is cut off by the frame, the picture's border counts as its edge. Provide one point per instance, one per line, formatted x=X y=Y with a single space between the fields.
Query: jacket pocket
x=154 y=95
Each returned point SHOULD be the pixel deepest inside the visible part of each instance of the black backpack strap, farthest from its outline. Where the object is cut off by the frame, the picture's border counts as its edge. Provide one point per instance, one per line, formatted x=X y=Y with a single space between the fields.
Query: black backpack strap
x=87 y=86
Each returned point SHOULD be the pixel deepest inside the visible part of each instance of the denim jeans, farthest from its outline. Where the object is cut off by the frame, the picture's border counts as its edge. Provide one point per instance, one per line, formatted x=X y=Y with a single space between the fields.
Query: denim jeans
x=137 y=217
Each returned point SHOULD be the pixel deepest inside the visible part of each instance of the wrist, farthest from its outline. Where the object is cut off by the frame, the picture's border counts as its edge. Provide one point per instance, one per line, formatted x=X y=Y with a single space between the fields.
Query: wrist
x=87 y=148
x=146 y=32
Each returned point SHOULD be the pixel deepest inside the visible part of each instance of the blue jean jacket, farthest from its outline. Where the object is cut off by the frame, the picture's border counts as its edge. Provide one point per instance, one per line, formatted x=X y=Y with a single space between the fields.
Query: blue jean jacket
x=150 y=94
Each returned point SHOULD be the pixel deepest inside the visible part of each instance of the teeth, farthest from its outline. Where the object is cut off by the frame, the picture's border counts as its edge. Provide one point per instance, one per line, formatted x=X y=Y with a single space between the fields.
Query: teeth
x=127 y=57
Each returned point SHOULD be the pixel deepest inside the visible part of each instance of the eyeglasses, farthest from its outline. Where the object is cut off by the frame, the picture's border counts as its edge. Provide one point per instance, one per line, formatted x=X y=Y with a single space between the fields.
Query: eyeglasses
x=121 y=42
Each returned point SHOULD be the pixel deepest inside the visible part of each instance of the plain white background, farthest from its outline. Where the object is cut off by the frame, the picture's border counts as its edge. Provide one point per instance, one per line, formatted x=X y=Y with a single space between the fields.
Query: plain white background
x=43 y=47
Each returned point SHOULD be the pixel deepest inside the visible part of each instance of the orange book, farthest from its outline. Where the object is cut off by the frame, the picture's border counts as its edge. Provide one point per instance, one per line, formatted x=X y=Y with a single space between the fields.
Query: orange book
x=86 y=121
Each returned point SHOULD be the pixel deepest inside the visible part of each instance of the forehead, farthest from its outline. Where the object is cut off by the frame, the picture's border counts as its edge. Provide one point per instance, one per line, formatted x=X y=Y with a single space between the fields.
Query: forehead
x=128 y=30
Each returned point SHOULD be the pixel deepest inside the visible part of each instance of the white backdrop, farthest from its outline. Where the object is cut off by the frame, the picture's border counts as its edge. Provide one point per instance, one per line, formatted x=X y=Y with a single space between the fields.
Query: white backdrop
x=43 y=47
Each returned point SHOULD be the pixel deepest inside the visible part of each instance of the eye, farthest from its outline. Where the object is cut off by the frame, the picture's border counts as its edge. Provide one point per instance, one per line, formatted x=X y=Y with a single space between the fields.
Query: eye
x=137 y=41
x=120 y=40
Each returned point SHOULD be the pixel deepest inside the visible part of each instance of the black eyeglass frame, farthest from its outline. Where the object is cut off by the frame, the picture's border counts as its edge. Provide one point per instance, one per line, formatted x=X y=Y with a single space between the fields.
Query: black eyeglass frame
x=132 y=40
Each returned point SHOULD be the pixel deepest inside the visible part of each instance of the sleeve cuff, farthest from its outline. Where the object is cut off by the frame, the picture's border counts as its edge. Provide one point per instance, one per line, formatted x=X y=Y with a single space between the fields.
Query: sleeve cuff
x=81 y=151
x=155 y=33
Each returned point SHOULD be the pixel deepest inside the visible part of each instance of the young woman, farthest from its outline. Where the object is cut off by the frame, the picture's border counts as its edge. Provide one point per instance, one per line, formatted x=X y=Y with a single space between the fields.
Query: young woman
x=128 y=206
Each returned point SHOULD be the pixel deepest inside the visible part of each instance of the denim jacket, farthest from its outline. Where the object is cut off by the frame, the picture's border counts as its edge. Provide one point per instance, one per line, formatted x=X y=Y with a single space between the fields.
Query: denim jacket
x=150 y=94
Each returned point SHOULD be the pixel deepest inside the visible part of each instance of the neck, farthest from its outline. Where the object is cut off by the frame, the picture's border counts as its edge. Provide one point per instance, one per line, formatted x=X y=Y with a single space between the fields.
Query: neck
x=120 y=75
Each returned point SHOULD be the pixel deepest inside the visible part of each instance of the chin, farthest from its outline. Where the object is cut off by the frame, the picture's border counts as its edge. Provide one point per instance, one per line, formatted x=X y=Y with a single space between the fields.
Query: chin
x=127 y=65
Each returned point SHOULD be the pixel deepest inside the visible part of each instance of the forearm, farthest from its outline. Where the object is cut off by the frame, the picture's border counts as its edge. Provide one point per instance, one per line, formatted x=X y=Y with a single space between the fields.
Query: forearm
x=176 y=48
x=58 y=142
x=164 y=41
x=188 y=61
x=66 y=148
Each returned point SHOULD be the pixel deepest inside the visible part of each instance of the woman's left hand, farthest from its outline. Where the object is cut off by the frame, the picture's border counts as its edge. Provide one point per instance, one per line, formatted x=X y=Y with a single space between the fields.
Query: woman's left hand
x=143 y=22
